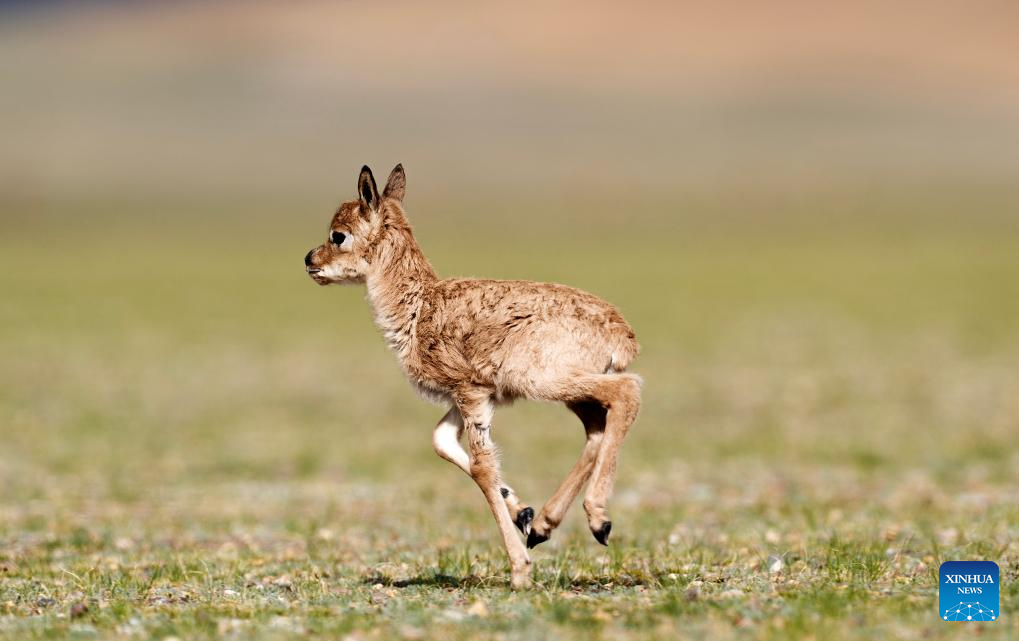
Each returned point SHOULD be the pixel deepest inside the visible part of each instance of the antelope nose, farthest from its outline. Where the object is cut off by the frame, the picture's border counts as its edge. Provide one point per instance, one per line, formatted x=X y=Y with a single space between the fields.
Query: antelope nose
x=307 y=258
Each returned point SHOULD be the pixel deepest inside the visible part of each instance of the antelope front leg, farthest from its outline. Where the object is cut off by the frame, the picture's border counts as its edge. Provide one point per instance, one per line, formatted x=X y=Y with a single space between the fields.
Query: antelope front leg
x=446 y=441
x=476 y=410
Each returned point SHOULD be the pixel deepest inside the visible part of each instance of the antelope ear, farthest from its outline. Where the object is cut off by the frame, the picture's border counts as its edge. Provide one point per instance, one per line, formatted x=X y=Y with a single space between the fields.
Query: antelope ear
x=396 y=186
x=367 y=192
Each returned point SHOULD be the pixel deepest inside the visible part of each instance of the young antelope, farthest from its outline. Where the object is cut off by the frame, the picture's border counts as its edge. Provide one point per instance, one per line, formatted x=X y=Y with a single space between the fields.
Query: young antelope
x=472 y=344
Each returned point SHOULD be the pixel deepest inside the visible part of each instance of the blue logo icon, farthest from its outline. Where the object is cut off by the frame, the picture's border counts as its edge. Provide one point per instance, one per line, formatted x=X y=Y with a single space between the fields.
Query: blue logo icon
x=968 y=591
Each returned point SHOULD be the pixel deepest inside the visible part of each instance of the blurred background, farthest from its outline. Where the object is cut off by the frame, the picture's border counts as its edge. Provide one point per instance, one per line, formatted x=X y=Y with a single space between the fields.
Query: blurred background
x=808 y=211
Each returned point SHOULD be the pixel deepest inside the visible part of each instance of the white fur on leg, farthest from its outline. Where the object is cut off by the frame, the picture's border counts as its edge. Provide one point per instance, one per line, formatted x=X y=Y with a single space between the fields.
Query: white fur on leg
x=446 y=440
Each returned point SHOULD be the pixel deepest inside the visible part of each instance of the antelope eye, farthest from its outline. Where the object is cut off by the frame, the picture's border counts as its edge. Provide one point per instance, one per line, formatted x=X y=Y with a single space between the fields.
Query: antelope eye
x=337 y=237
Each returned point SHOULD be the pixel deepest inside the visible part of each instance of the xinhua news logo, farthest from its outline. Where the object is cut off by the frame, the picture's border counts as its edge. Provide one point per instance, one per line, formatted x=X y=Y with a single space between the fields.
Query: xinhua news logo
x=968 y=591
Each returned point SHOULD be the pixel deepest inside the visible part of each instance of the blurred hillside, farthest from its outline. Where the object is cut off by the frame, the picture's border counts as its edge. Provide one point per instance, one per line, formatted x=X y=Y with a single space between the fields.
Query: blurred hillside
x=263 y=105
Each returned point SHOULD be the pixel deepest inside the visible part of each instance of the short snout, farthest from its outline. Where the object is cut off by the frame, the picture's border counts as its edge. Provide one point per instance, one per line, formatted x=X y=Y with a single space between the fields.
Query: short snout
x=309 y=263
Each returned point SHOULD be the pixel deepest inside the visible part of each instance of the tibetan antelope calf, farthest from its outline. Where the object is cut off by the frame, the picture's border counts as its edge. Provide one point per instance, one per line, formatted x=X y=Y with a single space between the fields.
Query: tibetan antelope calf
x=472 y=344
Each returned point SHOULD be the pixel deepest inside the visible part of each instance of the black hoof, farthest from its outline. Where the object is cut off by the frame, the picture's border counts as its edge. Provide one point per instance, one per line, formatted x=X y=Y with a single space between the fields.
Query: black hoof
x=534 y=538
x=524 y=518
x=602 y=534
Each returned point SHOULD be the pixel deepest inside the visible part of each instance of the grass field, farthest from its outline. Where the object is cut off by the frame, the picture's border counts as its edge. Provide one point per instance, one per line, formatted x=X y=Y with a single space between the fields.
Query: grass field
x=199 y=442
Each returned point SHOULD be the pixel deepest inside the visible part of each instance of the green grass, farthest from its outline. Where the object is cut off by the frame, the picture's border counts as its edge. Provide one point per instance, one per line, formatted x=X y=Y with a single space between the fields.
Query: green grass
x=197 y=441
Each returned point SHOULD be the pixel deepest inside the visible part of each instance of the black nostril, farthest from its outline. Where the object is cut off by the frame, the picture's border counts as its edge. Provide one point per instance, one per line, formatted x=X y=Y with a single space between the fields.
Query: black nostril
x=307 y=258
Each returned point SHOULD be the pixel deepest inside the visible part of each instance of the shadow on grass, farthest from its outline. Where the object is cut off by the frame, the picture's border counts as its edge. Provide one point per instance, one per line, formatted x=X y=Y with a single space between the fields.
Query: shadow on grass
x=429 y=580
x=594 y=583
x=578 y=584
